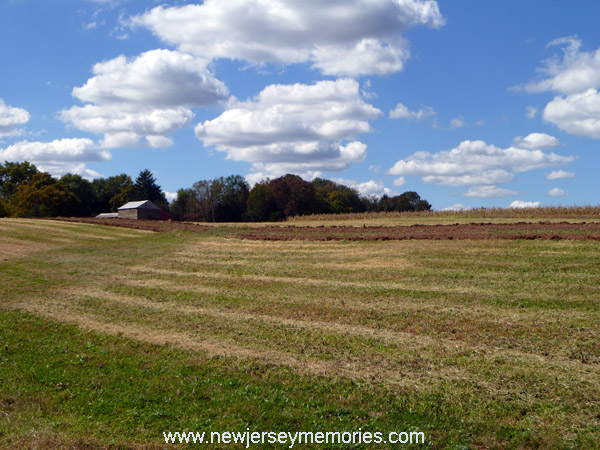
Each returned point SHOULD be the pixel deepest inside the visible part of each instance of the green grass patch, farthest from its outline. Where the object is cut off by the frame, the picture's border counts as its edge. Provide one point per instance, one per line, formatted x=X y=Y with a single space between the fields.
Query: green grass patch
x=107 y=390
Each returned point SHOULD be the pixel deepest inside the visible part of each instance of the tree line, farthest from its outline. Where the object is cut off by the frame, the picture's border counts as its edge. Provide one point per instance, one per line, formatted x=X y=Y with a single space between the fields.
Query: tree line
x=230 y=199
x=26 y=191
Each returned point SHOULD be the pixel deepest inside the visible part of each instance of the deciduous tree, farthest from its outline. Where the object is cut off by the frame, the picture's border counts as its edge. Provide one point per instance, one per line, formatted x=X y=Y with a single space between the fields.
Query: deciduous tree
x=11 y=175
x=44 y=197
x=107 y=188
x=185 y=206
x=82 y=189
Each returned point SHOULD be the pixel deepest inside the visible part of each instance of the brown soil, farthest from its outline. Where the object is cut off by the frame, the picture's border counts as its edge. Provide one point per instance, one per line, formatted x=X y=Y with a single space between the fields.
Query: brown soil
x=511 y=231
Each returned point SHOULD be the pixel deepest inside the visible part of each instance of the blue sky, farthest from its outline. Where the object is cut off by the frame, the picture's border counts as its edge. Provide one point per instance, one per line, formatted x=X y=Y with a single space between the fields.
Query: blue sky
x=469 y=103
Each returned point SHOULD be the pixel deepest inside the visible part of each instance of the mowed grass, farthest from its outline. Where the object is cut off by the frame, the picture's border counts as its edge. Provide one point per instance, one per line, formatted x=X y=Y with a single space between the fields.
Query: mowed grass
x=108 y=337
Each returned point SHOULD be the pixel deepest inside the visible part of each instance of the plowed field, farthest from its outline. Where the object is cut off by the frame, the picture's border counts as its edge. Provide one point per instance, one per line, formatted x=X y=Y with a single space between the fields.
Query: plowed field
x=511 y=231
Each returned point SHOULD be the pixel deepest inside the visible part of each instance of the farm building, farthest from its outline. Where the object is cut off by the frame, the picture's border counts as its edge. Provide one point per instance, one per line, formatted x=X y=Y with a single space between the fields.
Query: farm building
x=144 y=209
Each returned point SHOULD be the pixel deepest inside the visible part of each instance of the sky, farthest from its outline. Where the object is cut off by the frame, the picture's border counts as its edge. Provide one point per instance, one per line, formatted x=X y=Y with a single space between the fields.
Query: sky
x=471 y=104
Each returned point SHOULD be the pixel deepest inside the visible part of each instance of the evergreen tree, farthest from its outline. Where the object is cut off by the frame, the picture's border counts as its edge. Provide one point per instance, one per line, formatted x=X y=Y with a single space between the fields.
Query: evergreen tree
x=147 y=188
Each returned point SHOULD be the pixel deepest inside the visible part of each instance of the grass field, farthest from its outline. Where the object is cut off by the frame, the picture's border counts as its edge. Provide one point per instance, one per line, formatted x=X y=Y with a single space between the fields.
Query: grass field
x=110 y=336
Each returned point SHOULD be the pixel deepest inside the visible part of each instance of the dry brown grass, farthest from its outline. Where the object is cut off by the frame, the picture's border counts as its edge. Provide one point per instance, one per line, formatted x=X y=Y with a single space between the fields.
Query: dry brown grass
x=16 y=248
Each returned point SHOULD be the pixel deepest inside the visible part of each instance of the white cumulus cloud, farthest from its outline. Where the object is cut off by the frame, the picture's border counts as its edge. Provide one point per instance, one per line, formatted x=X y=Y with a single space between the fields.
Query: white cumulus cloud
x=575 y=76
x=123 y=128
x=368 y=188
x=475 y=163
x=488 y=192
x=456 y=207
x=457 y=122
x=59 y=168
x=303 y=129
x=170 y=195
x=537 y=140
x=59 y=156
x=401 y=181
x=63 y=150
x=157 y=78
x=523 y=204
x=343 y=37
x=559 y=175
x=402 y=112
x=556 y=192
x=373 y=187
x=11 y=118
x=575 y=72
x=576 y=113
x=531 y=112
x=144 y=98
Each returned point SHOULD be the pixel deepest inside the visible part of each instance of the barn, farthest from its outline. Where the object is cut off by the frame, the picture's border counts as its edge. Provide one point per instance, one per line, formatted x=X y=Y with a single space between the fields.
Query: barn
x=142 y=210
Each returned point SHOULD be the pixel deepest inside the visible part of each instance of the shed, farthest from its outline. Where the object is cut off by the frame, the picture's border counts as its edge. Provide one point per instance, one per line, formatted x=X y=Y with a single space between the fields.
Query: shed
x=107 y=216
x=144 y=209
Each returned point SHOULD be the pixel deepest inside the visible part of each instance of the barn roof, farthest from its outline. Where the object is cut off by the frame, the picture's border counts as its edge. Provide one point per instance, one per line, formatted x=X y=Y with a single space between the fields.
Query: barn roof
x=144 y=204
x=107 y=216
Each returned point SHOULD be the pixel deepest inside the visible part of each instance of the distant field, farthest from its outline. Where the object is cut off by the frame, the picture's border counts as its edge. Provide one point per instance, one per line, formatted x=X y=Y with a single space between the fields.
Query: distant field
x=574 y=214
x=110 y=336
x=493 y=215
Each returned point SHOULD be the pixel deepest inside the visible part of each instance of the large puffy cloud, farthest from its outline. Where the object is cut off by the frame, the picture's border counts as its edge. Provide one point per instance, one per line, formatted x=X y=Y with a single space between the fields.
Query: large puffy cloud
x=477 y=164
x=576 y=76
x=157 y=78
x=122 y=128
x=326 y=157
x=148 y=97
x=61 y=149
x=59 y=156
x=343 y=37
x=305 y=129
x=11 y=118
